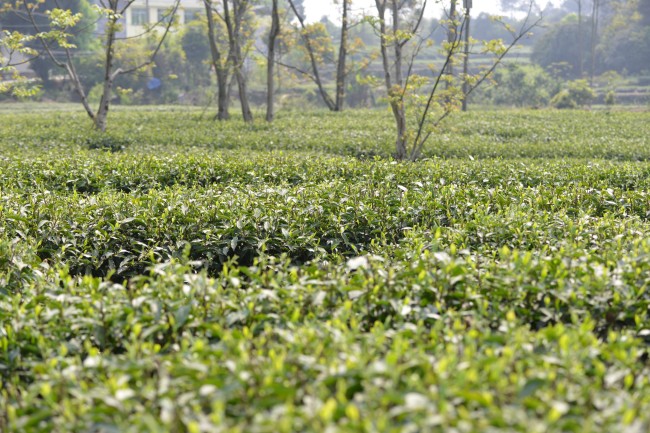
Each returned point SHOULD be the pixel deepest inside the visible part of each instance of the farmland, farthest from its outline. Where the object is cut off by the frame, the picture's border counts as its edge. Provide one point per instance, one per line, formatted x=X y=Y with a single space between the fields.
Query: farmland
x=178 y=274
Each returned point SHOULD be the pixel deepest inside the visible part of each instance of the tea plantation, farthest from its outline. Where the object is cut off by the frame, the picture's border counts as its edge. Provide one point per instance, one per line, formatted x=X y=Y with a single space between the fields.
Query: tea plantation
x=184 y=275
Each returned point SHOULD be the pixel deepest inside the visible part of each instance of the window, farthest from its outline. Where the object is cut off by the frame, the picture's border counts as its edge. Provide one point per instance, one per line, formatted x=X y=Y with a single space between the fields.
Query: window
x=165 y=15
x=139 y=16
x=191 y=15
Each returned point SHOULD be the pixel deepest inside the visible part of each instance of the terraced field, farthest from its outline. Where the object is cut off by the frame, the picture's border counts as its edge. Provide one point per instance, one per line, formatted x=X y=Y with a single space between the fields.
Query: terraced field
x=183 y=275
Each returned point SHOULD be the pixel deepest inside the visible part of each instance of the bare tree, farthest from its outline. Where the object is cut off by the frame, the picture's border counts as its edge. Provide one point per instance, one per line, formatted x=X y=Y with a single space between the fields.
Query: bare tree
x=270 y=65
x=220 y=65
x=113 y=11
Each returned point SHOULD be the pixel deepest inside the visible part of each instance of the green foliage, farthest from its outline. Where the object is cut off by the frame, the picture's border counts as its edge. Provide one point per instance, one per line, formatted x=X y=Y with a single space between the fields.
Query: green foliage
x=581 y=92
x=109 y=142
x=95 y=93
x=262 y=278
x=61 y=24
x=197 y=53
x=511 y=134
x=577 y=94
x=171 y=68
x=520 y=86
x=563 y=100
x=625 y=43
x=18 y=43
x=14 y=43
x=91 y=70
x=560 y=44
x=627 y=49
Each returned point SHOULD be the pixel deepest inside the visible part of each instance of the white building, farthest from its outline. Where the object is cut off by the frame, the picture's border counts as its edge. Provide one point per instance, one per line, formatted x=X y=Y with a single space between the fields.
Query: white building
x=144 y=13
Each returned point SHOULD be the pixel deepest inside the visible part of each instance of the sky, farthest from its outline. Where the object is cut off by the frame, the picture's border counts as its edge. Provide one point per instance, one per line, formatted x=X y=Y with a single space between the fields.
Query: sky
x=317 y=8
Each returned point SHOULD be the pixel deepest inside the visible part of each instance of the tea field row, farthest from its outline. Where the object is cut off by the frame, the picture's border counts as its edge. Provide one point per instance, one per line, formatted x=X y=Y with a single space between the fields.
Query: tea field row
x=207 y=277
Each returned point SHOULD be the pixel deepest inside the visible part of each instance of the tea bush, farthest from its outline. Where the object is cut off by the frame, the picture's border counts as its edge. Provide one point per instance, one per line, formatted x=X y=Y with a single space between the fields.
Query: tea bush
x=224 y=277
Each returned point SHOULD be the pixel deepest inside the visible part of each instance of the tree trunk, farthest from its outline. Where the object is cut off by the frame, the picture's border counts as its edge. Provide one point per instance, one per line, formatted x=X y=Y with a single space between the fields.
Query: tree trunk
x=451 y=36
x=105 y=101
x=594 y=34
x=223 y=96
x=580 y=41
x=220 y=69
x=397 y=46
x=466 y=61
x=343 y=54
x=233 y=23
x=270 y=66
x=242 y=88
x=394 y=91
x=400 y=122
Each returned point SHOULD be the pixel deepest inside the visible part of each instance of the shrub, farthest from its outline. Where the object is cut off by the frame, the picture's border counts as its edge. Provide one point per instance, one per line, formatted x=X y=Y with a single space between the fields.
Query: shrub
x=200 y=281
x=563 y=100
x=577 y=94
x=109 y=142
x=521 y=86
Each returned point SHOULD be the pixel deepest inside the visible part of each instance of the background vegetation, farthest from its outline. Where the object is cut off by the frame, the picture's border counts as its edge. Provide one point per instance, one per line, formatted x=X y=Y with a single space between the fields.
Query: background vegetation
x=605 y=42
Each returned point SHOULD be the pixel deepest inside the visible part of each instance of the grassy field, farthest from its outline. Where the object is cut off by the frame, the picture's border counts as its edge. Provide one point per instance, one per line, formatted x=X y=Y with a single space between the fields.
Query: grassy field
x=208 y=277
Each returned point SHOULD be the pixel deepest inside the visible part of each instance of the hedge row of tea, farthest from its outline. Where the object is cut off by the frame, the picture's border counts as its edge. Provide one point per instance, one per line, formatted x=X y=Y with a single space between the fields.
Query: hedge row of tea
x=180 y=286
x=362 y=134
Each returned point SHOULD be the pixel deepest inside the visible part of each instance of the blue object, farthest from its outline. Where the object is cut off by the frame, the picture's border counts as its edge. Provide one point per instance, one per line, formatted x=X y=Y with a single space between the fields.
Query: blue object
x=154 y=83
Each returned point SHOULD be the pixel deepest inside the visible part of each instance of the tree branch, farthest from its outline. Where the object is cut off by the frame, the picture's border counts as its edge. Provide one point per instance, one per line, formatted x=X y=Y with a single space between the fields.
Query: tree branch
x=120 y=71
